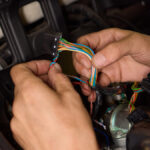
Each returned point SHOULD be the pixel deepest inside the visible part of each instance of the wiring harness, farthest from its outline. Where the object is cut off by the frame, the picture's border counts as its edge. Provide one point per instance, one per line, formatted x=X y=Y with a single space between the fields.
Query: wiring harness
x=64 y=45
x=136 y=90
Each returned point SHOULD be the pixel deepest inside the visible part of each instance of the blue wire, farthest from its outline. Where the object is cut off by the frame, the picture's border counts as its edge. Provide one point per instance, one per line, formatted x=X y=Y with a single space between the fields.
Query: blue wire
x=77 y=49
x=77 y=79
x=52 y=63
x=85 y=46
x=103 y=133
x=56 y=56
x=94 y=81
x=81 y=45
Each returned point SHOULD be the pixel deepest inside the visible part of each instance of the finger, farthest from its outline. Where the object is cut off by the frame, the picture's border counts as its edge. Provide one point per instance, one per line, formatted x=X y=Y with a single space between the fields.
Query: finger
x=26 y=81
x=81 y=59
x=117 y=72
x=112 y=53
x=39 y=67
x=111 y=73
x=99 y=40
x=59 y=81
x=86 y=90
x=86 y=86
x=92 y=97
x=83 y=71
x=26 y=70
x=44 y=78
x=104 y=80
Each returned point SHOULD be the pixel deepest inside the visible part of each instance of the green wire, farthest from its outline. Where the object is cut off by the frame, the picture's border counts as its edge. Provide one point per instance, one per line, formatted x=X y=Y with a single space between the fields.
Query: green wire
x=134 y=88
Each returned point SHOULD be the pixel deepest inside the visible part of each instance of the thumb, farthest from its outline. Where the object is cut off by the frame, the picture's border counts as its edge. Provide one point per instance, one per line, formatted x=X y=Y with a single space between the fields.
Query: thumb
x=58 y=81
x=112 y=52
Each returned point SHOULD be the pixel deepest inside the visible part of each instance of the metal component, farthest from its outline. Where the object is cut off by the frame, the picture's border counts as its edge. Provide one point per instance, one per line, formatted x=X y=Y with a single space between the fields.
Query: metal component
x=119 y=126
x=106 y=90
x=117 y=97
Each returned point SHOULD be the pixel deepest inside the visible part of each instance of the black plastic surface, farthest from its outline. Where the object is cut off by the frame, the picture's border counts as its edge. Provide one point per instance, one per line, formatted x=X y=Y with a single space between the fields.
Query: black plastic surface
x=21 y=44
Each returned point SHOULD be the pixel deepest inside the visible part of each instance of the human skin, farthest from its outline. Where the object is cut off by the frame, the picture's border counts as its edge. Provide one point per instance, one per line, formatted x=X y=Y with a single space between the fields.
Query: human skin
x=120 y=56
x=48 y=113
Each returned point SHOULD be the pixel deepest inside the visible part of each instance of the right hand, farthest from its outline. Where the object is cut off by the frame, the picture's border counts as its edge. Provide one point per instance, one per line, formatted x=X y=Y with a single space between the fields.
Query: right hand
x=121 y=56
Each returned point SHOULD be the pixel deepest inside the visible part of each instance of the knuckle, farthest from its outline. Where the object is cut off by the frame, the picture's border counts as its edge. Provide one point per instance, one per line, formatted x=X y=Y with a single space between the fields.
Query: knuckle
x=12 y=125
x=74 y=55
x=112 y=30
x=15 y=109
x=74 y=62
x=77 y=56
x=14 y=70
x=80 y=39
x=135 y=36
x=78 y=68
x=27 y=91
x=115 y=29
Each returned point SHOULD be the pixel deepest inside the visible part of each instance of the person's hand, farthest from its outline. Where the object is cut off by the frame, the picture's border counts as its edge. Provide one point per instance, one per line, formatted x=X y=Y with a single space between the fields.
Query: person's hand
x=48 y=113
x=121 y=56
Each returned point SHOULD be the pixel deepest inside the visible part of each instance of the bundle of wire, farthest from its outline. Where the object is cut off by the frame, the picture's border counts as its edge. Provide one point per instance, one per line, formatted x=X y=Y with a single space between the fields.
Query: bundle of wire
x=75 y=47
x=136 y=91
x=64 y=45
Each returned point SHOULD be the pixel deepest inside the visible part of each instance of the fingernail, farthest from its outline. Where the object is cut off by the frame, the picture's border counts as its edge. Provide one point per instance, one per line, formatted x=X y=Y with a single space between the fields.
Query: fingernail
x=57 y=67
x=99 y=60
x=86 y=73
x=86 y=64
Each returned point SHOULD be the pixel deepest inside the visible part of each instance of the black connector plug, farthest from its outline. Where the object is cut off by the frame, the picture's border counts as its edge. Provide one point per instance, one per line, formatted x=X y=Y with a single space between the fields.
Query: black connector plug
x=145 y=84
x=47 y=44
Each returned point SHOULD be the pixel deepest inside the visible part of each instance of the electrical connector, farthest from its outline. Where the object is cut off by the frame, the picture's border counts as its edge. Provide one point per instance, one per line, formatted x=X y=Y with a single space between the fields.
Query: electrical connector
x=47 y=43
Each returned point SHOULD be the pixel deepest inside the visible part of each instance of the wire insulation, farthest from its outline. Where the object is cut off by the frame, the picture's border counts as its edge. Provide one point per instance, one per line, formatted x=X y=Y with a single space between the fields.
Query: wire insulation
x=136 y=91
x=64 y=45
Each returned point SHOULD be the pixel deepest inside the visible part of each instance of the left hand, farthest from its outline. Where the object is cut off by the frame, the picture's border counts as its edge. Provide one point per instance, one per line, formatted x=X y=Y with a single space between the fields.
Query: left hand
x=48 y=113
